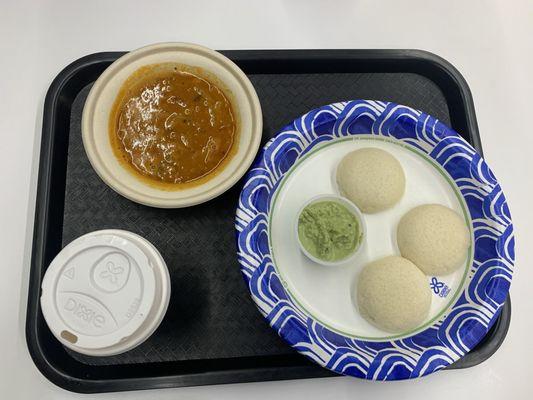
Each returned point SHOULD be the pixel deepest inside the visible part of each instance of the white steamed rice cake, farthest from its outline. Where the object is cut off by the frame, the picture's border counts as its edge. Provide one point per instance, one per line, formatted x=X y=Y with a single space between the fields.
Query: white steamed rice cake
x=434 y=237
x=371 y=178
x=393 y=294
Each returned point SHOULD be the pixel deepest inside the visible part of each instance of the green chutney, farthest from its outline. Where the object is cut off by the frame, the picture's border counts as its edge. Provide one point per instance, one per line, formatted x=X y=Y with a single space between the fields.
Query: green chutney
x=328 y=230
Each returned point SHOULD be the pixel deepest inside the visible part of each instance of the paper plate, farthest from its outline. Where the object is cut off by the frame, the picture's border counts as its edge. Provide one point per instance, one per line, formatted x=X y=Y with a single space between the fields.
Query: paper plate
x=312 y=306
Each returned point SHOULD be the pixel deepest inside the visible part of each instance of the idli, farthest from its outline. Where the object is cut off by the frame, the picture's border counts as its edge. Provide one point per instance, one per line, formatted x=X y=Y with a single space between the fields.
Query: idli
x=434 y=237
x=371 y=178
x=393 y=294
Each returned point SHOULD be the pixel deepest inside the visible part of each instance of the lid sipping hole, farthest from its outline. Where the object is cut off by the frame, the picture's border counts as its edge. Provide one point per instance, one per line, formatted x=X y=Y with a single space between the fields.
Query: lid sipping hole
x=69 y=337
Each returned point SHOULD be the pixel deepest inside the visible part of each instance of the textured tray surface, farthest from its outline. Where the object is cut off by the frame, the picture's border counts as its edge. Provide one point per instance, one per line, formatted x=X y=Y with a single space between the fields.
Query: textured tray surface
x=211 y=314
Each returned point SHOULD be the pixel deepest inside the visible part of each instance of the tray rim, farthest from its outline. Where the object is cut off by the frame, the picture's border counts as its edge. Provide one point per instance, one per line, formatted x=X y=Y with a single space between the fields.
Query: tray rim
x=59 y=377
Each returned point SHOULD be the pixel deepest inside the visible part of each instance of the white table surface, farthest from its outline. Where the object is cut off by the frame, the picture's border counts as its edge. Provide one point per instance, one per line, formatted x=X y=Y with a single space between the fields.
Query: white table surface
x=490 y=42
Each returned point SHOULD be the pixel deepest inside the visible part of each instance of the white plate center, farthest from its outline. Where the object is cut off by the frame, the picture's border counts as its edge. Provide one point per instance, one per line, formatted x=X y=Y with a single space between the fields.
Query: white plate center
x=327 y=293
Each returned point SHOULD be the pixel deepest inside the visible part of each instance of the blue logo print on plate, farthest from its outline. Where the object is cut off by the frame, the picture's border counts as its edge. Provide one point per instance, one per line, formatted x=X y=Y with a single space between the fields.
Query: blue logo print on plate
x=435 y=285
x=439 y=288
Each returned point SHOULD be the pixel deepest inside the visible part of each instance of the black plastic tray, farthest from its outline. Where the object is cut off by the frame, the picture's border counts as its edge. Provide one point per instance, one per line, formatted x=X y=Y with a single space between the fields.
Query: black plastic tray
x=212 y=332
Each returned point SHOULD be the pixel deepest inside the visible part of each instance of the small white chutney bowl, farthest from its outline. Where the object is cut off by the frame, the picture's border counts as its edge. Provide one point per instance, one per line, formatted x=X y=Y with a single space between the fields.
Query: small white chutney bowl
x=352 y=208
x=97 y=111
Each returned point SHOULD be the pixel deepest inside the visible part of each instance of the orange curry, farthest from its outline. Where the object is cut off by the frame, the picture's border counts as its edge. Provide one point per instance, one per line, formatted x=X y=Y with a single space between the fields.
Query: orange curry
x=172 y=125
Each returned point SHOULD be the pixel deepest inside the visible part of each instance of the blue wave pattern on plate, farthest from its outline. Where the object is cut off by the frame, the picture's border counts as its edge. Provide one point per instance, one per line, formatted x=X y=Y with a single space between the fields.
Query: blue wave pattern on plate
x=477 y=307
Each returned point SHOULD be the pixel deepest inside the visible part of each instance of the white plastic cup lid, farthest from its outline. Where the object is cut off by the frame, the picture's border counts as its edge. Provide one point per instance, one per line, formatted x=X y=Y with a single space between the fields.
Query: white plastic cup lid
x=105 y=293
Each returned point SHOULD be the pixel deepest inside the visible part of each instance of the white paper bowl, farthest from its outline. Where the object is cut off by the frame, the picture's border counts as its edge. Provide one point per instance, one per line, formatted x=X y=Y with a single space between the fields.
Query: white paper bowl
x=102 y=96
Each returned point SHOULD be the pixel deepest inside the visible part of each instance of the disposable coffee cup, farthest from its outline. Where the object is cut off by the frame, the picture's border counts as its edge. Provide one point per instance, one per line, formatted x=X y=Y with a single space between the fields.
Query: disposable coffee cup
x=105 y=293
